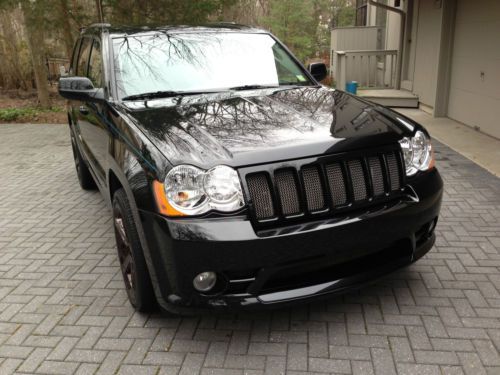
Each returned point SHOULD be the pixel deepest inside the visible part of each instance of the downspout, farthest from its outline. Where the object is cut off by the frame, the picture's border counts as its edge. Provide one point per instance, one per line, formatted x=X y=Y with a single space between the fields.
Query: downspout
x=402 y=14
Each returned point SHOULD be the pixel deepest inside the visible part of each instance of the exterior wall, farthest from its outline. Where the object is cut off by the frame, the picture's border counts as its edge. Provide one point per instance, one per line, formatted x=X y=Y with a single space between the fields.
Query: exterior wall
x=393 y=26
x=409 y=45
x=425 y=76
x=371 y=18
x=353 y=38
x=475 y=98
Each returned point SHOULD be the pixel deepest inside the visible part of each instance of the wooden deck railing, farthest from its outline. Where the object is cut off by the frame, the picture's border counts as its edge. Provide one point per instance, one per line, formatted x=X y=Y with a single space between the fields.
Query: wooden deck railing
x=375 y=69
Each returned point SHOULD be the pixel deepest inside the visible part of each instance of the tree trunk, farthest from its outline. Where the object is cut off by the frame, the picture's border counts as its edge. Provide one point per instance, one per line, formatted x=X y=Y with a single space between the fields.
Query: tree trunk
x=99 y=11
x=13 y=77
x=6 y=78
x=33 y=22
x=66 y=27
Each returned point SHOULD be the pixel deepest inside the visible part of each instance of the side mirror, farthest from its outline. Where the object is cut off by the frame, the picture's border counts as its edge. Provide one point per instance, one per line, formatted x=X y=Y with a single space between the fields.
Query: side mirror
x=318 y=70
x=79 y=88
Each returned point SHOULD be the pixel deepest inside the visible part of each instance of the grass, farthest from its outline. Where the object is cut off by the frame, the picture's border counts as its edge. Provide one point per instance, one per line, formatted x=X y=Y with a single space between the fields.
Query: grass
x=13 y=114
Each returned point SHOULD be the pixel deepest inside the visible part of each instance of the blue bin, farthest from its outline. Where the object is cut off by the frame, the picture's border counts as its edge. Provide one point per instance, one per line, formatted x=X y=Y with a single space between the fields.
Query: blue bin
x=351 y=87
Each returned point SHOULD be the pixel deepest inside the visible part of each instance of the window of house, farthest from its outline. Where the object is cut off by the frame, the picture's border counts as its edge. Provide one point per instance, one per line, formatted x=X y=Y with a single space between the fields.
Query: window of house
x=361 y=12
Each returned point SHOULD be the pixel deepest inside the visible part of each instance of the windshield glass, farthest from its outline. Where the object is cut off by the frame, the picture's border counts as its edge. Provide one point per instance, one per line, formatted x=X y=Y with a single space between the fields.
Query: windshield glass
x=206 y=61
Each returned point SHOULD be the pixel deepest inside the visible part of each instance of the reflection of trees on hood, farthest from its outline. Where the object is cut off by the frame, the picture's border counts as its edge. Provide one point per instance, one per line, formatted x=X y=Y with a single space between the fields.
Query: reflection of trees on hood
x=253 y=119
x=237 y=120
x=308 y=100
x=233 y=119
x=320 y=105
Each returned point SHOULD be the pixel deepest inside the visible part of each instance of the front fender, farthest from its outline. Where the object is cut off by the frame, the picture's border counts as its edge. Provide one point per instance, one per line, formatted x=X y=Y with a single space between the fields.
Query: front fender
x=133 y=164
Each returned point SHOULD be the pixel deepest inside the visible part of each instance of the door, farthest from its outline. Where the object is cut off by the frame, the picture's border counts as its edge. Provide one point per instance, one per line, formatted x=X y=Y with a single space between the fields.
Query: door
x=409 y=45
x=91 y=117
x=426 y=60
x=78 y=108
x=474 y=96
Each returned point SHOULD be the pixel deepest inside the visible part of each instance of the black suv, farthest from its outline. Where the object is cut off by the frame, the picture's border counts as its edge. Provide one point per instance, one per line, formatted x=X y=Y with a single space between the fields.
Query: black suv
x=235 y=178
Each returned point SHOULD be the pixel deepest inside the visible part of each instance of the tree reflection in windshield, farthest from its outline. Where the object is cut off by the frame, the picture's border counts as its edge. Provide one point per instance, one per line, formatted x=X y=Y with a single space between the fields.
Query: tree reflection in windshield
x=198 y=61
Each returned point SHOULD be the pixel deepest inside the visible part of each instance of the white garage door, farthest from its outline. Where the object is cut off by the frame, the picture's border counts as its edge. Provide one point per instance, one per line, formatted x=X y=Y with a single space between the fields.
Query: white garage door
x=475 y=74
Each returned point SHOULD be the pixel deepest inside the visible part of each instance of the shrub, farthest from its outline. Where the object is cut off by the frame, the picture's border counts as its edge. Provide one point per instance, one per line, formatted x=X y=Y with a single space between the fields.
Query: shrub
x=13 y=114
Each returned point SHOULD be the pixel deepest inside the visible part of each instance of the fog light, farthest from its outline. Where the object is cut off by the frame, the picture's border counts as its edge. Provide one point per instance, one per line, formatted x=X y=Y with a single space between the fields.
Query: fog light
x=205 y=281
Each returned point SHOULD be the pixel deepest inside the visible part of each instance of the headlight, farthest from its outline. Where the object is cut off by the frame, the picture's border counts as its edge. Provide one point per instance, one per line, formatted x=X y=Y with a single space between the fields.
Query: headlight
x=222 y=186
x=189 y=190
x=417 y=153
x=184 y=189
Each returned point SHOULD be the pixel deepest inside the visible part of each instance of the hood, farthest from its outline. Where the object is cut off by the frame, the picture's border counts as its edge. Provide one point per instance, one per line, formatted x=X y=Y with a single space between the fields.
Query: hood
x=261 y=126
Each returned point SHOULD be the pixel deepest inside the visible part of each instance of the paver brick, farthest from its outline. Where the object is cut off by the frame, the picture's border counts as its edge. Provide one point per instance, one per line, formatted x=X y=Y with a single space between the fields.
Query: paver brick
x=245 y=361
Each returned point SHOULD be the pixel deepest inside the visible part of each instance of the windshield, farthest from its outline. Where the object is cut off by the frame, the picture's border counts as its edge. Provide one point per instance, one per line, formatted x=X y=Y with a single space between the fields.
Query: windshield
x=206 y=61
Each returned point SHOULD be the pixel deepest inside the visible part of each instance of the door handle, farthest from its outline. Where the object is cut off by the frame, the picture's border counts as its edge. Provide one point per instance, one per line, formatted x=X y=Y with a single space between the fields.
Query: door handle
x=83 y=110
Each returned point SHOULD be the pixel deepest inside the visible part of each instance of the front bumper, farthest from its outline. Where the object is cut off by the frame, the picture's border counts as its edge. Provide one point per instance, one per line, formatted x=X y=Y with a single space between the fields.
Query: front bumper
x=258 y=269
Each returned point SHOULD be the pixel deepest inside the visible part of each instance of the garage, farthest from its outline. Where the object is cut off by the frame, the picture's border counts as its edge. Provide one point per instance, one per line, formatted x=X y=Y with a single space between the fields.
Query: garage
x=474 y=96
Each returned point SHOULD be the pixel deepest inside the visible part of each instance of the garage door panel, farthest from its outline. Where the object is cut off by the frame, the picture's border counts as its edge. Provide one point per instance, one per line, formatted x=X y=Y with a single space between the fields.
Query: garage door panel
x=460 y=74
x=466 y=75
x=478 y=11
x=475 y=100
x=476 y=110
x=477 y=38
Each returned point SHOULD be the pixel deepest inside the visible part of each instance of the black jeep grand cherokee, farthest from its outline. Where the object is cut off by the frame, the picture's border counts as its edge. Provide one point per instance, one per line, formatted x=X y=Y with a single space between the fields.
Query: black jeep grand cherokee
x=235 y=179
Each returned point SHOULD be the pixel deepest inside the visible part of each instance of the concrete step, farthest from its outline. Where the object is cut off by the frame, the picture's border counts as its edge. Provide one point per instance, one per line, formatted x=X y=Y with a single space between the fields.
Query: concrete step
x=391 y=98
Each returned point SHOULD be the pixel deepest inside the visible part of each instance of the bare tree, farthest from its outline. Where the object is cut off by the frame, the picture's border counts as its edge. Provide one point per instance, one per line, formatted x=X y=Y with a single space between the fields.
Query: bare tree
x=33 y=19
x=66 y=27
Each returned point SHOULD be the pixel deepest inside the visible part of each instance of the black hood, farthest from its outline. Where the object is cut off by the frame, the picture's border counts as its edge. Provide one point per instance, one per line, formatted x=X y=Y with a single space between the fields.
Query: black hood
x=251 y=127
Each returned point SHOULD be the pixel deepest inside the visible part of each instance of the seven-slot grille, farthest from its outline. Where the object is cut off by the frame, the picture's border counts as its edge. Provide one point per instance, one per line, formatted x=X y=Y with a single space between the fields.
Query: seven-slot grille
x=292 y=192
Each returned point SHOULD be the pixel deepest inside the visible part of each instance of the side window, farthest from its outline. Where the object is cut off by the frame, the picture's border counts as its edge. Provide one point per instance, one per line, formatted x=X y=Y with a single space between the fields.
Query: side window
x=95 y=65
x=83 y=58
x=74 y=57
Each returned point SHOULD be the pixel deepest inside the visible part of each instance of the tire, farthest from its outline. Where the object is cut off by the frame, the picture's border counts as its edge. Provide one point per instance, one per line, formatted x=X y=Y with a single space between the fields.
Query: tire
x=130 y=254
x=82 y=170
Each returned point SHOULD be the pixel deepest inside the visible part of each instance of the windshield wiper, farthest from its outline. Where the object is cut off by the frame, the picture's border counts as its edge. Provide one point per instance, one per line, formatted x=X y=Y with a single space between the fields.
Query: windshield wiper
x=253 y=87
x=164 y=94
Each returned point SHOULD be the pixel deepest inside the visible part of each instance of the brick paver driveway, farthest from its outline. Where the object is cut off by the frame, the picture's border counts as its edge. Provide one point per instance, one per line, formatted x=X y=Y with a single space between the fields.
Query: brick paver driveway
x=63 y=308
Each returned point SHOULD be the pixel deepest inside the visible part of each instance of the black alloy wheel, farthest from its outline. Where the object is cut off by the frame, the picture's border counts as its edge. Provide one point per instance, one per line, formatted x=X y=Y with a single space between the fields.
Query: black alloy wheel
x=130 y=255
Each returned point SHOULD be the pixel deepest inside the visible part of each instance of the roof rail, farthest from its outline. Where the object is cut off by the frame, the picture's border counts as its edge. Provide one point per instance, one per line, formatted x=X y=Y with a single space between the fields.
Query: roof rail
x=97 y=24
x=101 y=24
x=229 y=24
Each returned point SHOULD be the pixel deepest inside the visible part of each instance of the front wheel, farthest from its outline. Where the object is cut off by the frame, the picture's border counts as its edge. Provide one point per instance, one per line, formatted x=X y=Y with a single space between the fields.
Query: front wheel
x=130 y=254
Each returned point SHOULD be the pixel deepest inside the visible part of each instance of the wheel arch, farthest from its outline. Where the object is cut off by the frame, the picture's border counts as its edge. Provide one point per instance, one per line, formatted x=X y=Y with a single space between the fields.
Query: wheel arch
x=114 y=184
x=118 y=180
